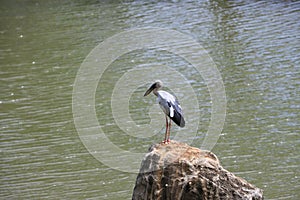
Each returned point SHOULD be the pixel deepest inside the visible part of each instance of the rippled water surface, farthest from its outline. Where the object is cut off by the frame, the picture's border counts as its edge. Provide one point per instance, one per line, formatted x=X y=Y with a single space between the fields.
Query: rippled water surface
x=254 y=44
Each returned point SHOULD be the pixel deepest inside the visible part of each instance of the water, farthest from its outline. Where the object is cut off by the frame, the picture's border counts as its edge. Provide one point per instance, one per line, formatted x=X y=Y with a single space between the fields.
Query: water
x=255 y=46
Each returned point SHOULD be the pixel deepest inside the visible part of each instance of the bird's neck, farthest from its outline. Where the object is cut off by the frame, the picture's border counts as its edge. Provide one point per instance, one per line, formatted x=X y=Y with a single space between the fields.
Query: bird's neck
x=155 y=91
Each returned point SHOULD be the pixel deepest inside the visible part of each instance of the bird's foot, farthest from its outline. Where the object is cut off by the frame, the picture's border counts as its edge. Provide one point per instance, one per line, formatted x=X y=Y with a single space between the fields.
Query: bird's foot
x=166 y=141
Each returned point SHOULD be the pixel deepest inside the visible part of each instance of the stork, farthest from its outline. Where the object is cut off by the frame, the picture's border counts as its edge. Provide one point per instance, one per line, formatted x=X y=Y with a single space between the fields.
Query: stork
x=170 y=106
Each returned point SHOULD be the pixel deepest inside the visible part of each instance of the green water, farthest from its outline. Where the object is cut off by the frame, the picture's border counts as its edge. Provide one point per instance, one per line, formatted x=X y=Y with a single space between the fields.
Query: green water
x=255 y=46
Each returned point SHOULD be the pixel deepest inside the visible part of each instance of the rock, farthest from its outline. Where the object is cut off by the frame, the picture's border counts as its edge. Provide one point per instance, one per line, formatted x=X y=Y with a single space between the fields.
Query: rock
x=178 y=171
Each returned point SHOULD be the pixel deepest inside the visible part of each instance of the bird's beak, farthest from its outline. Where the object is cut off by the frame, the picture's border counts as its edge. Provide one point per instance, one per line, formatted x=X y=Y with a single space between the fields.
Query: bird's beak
x=149 y=90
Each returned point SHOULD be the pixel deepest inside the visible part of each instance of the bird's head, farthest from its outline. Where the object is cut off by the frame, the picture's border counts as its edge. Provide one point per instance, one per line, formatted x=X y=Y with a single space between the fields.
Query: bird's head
x=154 y=87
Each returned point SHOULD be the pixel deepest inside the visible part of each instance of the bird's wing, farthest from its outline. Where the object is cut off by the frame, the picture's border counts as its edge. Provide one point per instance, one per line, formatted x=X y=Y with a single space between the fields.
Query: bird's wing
x=177 y=115
x=171 y=107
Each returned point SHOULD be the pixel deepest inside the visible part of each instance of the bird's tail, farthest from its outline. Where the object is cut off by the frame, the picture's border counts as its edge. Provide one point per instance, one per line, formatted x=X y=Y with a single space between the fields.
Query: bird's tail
x=178 y=119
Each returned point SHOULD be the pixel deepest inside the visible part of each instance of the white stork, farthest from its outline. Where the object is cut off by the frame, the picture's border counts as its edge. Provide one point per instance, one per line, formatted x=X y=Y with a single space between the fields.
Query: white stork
x=170 y=105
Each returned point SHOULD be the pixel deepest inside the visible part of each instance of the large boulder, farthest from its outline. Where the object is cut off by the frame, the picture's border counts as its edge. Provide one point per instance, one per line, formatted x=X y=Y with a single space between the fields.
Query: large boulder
x=178 y=171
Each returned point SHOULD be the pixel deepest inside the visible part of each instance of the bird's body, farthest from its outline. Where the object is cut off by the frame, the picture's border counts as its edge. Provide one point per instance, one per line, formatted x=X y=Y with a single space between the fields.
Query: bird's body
x=170 y=106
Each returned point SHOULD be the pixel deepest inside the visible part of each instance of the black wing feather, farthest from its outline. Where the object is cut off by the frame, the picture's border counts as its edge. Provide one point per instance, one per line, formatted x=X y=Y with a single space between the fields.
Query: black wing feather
x=178 y=115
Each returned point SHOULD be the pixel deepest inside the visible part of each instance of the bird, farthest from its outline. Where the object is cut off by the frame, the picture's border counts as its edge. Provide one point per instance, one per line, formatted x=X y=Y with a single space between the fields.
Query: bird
x=170 y=106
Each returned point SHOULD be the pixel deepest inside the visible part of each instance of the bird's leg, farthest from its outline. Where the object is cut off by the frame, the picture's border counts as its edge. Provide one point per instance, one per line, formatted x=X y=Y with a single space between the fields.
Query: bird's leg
x=167 y=127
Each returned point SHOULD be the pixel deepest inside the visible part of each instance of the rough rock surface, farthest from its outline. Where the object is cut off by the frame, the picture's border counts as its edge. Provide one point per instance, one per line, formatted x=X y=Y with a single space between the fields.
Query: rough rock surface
x=178 y=171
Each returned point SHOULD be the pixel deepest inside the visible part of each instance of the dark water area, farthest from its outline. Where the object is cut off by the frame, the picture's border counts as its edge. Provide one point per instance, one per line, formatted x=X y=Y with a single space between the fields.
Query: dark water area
x=255 y=45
